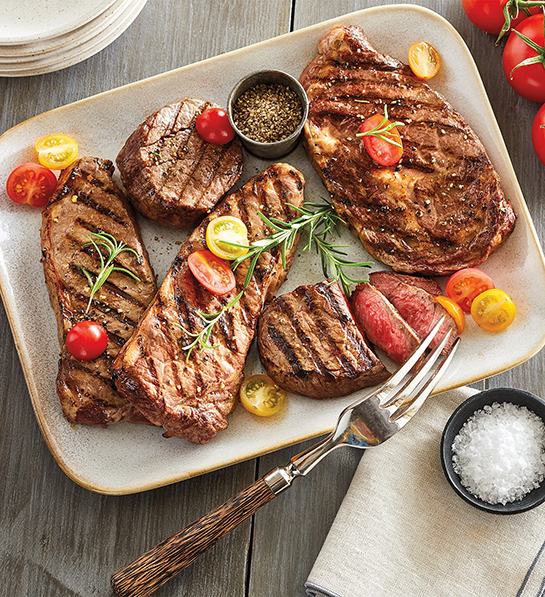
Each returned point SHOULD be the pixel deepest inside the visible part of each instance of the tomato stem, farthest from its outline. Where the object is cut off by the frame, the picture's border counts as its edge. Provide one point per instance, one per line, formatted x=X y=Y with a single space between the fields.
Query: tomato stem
x=511 y=11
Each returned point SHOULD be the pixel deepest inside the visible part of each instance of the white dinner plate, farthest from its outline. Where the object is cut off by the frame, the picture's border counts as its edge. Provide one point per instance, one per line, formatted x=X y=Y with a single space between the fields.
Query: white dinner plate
x=129 y=458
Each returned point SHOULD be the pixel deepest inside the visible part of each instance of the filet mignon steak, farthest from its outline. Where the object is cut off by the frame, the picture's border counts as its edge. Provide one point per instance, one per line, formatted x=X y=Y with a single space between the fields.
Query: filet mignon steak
x=173 y=176
x=192 y=397
x=441 y=208
x=310 y=344
x=88 y=200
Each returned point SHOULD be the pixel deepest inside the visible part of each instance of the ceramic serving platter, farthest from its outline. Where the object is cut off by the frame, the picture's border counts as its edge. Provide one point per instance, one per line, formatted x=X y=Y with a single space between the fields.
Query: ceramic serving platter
x=128 y=458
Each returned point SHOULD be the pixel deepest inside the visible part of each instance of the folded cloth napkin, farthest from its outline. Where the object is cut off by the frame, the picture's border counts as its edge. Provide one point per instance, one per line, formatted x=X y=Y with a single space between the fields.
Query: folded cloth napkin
x=401 y=531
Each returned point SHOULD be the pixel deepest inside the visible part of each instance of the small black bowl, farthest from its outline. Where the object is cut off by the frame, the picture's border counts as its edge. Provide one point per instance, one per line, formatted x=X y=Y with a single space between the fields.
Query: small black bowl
x=453 y=426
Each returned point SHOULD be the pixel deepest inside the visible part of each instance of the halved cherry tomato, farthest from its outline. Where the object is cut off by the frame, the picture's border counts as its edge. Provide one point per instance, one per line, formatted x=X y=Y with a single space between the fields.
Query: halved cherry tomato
x=56 y=151
x=31 y=183
x=261 y=396
x=493 y=310
x=87 y=340
x=464 y=286
x=424 y=60
x=223 y=230
x=454 y=310
x=211 y=271
x=385 y=153
x=213 y=126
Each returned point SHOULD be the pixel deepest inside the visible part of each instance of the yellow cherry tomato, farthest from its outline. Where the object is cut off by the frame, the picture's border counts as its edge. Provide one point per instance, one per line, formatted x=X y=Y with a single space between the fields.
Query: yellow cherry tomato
x=56 y=151
x=424 y=60
x=224 y=230
x=261 y=396
x=493 y=310
x=453 y=309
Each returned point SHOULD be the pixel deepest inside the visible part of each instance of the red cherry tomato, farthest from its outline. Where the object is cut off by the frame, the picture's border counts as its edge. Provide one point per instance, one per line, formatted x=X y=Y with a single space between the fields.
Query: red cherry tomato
x=538 y=134
x=213 y=126
x=31 y=183
x=87 y=340
x=488 y=14
x=383 y=152
x=527 y=80
x=464 y=286
x=211 y=271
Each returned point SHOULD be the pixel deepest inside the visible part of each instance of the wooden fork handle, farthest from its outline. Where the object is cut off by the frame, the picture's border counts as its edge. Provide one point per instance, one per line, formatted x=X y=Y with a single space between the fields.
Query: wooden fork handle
x=148 y=572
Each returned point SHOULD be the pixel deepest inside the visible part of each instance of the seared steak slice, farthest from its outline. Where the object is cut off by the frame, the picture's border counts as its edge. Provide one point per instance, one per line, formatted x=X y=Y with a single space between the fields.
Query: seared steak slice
x=387 y=282
x=173 y=176
x=192 y=397
x=310 y=344
x=421 y=311
x=87 y=200
x=382 y=324
x=438 y=210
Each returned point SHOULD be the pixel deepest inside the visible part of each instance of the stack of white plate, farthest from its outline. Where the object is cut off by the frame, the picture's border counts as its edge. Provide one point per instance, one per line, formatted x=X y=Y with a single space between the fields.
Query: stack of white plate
x=41 y=36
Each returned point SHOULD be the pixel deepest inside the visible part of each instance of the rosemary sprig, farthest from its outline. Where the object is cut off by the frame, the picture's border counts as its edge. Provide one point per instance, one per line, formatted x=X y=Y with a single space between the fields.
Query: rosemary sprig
x=107 y=266
x=383 y=130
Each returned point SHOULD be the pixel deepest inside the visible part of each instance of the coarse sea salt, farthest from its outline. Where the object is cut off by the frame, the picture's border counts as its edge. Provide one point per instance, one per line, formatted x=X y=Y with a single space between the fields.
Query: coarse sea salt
x=499 y=453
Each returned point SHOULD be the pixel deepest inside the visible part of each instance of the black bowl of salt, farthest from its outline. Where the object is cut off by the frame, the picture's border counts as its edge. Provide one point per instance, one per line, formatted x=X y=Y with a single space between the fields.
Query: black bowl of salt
x=493 y=451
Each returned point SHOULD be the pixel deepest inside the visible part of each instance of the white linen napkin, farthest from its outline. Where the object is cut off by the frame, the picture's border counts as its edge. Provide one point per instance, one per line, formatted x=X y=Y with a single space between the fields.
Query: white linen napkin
x=401 y=531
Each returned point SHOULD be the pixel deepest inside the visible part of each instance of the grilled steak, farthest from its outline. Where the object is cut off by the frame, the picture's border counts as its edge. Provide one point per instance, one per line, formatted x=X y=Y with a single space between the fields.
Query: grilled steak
x=173 y=176
x=382 y=323
x=421 y=311
x=191 y=397
x=387 y=282
x=441 y=208
x=88 y=201
x=310 y=344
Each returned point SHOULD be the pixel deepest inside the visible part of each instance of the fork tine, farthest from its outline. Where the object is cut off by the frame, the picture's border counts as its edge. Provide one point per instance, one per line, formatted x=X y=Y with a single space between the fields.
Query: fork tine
x=409 y=407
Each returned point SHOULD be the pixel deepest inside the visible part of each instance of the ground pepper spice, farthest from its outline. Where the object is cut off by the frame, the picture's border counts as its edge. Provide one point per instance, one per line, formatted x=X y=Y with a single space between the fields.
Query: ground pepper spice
x=268 y=112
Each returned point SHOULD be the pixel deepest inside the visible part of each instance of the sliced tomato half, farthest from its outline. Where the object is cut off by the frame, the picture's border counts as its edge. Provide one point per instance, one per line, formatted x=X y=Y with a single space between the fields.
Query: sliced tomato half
x=212 y=272
x=465 y=285
x=31 y=183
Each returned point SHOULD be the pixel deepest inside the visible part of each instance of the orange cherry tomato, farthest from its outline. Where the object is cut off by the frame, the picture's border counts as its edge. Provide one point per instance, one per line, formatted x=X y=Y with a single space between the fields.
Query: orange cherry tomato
x=493 y=310
x=211 y=271
x=465 y=285
x=424 y=60
x=31 y=183
x=454 y=310
x=385 y=153
x=261 y=396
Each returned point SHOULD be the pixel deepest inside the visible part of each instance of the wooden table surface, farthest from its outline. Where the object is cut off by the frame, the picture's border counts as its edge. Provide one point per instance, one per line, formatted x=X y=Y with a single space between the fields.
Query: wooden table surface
x=60 y=540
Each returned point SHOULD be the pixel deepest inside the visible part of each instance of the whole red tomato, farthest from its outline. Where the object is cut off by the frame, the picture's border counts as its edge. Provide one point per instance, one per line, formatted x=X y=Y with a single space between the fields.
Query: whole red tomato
x=538 y=134
x=488 y=14
x=87 y=340
x=213 y=126
x=527 y=80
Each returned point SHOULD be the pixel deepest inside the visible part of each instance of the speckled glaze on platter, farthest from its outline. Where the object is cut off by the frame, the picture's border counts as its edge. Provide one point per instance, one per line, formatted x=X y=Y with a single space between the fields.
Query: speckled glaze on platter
x=128 y=458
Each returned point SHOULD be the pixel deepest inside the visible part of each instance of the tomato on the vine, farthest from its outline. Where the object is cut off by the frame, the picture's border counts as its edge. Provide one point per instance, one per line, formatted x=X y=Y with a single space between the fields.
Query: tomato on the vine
x=538 y=134
x=375 y=130
x=31 y=183
x=524 y=61
x=211 y=271
x=488 y=14
x=213 y=126
x=465 y=285
x=493 y=310
x=261 y=396
x=87 y=340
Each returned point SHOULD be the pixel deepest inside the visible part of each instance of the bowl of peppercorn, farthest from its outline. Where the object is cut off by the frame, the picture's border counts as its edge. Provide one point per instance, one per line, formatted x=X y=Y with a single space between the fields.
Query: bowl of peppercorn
x=493 y=451
x=268 y=110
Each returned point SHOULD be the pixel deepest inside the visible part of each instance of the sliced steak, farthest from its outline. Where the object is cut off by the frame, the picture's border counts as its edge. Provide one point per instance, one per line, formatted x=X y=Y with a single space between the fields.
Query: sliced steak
x=173 y=176
x=387 y=282
x=441 y=208
x=87 y=201
x=421 y=311
x=382 y=323
x=191 y=397
x=310 y=344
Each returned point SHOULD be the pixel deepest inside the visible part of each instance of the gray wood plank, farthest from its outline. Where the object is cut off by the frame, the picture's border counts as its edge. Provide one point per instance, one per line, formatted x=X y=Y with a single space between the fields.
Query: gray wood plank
x=59 y=540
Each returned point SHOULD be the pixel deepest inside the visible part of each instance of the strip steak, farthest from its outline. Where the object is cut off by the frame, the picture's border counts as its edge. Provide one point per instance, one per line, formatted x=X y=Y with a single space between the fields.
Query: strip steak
x=191 y=398
x=173 y=176
x=438 y=210
x=310 y=344
x=88 y=200
x=387 y=282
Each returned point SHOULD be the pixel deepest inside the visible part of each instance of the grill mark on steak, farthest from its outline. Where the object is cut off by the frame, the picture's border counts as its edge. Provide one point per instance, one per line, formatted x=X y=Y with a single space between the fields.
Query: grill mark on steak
x=288 y=351
x=101 y=209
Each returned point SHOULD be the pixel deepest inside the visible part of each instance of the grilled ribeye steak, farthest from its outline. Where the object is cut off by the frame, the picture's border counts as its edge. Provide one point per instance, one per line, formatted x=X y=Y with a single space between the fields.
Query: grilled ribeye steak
x=192 y=397
x=441 y=208
x=173 y=176
x=310 y=344
x=87 y=201
x=387 y=282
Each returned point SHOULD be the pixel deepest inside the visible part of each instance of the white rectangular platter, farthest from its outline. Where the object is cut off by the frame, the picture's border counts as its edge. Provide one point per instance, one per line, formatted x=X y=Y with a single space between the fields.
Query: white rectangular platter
x=129 y=458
